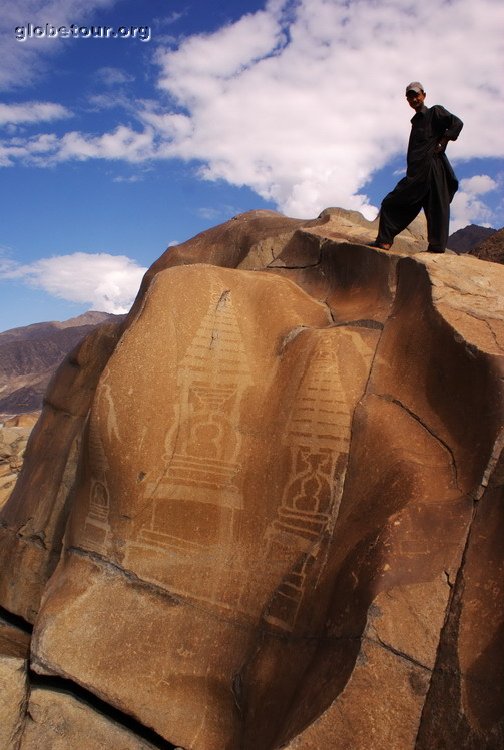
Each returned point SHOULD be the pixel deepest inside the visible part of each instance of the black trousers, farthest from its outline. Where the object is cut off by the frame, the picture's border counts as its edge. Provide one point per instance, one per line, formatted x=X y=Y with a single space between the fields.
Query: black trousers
x=433 y=193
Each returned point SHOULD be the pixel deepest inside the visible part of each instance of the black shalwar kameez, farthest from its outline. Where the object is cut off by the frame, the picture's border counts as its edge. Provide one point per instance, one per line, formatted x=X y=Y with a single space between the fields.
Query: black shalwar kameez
x=430 y=182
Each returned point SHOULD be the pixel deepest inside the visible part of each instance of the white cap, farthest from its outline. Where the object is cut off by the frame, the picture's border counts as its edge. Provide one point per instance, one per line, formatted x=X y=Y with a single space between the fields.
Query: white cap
x=415 y=86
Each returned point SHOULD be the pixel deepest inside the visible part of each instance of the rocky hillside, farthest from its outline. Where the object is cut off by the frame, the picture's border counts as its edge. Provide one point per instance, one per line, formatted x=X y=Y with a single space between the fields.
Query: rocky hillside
x=285 y=530
x=30 y=355
x=464 y=240
x=492 y=248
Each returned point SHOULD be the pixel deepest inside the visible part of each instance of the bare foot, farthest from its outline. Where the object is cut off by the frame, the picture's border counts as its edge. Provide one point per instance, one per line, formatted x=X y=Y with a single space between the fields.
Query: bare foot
x=380 y=245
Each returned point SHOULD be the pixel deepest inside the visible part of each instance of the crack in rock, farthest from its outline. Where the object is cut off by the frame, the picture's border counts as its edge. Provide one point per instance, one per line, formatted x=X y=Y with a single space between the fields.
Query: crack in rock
x=392 y=400
x=401 y=654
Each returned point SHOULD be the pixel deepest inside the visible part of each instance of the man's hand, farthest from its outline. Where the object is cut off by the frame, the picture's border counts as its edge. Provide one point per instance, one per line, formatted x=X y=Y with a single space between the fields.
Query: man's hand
x=441 y=145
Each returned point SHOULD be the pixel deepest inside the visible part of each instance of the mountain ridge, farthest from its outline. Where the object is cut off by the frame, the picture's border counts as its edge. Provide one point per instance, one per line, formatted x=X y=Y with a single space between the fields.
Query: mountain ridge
x=30 y=354
x=468 y=237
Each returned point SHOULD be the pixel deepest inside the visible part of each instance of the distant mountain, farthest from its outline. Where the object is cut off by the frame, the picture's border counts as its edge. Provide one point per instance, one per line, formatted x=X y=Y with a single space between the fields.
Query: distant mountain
x=463 y=240
x=29 y=355
x=491 y=248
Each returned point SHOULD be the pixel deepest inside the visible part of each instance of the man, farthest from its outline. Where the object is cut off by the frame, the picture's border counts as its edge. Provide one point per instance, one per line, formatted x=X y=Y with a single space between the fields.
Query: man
x=430 y=182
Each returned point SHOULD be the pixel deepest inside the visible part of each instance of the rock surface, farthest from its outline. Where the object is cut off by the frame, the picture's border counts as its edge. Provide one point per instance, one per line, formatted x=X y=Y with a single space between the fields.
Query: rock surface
x=280 y=489
x=58 y=721
x=32 y=521
x=14 y=434
x=14 y=646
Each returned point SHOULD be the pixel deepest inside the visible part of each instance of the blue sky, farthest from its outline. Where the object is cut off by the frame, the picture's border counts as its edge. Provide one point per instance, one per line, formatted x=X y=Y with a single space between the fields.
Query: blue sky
x=111 y=149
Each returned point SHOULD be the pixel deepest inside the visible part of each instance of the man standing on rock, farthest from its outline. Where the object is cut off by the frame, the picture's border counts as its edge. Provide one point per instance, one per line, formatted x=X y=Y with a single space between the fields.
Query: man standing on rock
x=430 y=182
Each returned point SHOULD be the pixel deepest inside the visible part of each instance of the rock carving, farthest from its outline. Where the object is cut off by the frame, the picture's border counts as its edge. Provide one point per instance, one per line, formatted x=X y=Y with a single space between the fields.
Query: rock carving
x=271 y=497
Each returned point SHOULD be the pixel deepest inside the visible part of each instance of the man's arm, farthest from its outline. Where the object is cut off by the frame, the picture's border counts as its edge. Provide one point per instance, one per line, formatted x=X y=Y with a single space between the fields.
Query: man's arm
x=448 y=125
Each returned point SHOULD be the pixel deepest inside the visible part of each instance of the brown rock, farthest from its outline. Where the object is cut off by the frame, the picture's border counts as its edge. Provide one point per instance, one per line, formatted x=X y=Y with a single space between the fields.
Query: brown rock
x=23 y=420
x=14 y=646
x=429 y=348
x=14 y=434
x=178 y=513
x=33 y=519
x=465 y=704
x=255 y=241
x=287 y=512
x=58 y=721
x=372 y=712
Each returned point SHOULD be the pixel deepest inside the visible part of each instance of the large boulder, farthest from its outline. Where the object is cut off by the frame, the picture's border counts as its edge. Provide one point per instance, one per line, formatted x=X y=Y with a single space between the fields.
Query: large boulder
x=274 y=519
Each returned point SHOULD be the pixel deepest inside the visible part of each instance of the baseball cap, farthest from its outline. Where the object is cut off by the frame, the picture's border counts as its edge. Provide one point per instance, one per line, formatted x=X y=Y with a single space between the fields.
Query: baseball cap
x=414 y=86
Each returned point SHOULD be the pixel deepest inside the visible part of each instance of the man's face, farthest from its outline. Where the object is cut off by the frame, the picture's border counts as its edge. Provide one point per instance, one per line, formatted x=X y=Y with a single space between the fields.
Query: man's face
x=416 y=99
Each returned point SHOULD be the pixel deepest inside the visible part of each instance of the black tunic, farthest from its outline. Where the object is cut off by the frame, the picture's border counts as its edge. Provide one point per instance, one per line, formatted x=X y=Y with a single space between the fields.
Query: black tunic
x=430 y=182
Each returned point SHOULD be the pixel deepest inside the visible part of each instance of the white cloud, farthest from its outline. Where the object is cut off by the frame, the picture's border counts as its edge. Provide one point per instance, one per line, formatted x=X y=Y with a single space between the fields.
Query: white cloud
x=467 y=208
x=111 y=76
x=106 y=282
x=478 y=184
x=29 y=112
x=123 y=143
x=128 y=179
x=36 y=149
x=8 y=267
x=108 y=100
x=305 y=123
x=204 y=58
x=304 y=100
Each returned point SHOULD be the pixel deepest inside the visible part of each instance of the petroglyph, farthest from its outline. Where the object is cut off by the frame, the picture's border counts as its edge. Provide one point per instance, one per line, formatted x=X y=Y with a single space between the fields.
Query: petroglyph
x=318 y=436
x=193 y=506
x=97 y=522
